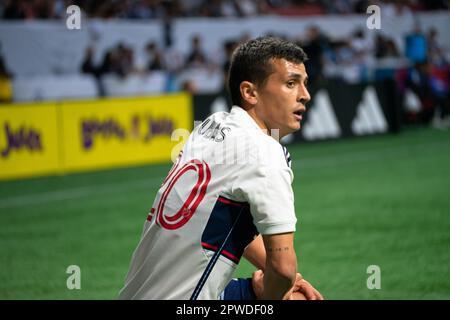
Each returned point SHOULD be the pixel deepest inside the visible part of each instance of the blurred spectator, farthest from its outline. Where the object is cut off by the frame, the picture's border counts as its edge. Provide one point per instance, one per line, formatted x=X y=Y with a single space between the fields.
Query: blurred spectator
x=157 y=9
x=196 y=57
x=108 y=64
x=385 y=47
x=436 y=52
x=339 y=6
x=435 y=4
x=88 y=67
x=212 y=8
x=16 y=9
x=173 y=8
x=352 y=58
x=173 y=60
x=360 y=6
x=189 y=86
x=141 y=9
x=432 y=87
x=4 y=73
x=397 y=9
x=229 y=47
x=251 y=8
x=231 y=8
x=396 y=16
x=155 y=58
x=125 y=60
x=346 y=61
x=5 y=81
x=363 y=47
x=118 y=60
x=416 y=45
x=44 y=9
x=191 y=7
x=60 y=7
x=314 y=47
x=228 y=8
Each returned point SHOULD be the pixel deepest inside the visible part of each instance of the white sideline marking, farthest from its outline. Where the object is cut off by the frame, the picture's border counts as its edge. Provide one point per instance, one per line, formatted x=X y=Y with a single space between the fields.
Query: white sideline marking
x=78 y=192
x=304 y=163
x=363 y=156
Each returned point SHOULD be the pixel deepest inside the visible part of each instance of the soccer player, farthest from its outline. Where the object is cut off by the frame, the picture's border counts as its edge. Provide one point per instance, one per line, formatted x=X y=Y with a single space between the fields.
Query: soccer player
x=229 y=192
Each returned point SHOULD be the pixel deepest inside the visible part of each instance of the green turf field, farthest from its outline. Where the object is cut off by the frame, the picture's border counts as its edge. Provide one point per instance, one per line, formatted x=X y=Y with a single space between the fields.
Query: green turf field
x=381 y=200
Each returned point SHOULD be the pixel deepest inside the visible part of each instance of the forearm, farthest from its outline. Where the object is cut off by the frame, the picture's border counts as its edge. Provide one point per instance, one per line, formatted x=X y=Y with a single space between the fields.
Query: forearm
x=277 y=286
x=281 y=266
x=255 y=253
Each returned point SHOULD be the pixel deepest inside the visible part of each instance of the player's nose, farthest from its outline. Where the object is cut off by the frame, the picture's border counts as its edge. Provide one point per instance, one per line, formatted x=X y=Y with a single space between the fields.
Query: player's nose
x=303 y=95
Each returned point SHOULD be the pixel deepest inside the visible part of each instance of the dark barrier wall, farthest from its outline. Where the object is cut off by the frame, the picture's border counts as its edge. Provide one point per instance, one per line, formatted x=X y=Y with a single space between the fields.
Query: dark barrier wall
x=206 y=104
x=336 y=110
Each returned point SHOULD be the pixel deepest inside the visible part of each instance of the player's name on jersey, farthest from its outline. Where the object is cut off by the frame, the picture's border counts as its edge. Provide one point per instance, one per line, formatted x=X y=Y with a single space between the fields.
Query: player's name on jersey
x=213 y=130
x=246 y=148
x=216 y=131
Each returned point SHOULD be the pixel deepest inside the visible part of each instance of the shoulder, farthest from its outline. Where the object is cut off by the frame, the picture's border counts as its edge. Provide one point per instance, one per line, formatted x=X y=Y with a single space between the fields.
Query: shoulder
x=275 y=153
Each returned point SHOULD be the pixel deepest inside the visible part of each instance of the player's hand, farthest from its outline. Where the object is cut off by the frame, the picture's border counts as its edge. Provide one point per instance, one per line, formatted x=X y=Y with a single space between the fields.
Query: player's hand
x=303 y=290
x=258 y=283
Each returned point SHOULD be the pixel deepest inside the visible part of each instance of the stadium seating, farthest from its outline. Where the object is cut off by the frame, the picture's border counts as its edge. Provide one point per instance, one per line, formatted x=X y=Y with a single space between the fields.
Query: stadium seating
x=54 y=87
x=205 y=80
x=132 y=85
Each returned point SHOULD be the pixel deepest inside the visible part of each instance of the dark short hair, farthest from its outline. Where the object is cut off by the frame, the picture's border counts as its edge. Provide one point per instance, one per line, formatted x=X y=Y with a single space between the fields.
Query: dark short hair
x=251 y=61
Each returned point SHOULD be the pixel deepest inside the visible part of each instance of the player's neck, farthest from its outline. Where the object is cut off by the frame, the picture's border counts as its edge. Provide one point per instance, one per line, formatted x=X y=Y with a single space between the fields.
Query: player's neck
x=252 y=113
x=274 y=133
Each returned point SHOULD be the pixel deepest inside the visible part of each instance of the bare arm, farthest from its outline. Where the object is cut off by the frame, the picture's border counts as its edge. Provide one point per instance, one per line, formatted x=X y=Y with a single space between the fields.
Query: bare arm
x=255 y=253
x=281 y=266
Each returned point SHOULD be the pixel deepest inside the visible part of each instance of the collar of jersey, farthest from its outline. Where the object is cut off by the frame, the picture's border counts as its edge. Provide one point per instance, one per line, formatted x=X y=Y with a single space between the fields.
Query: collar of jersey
x=245 y=117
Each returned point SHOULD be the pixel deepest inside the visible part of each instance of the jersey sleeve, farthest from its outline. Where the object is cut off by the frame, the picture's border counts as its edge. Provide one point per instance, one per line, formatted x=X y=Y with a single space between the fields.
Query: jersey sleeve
x=267 y=188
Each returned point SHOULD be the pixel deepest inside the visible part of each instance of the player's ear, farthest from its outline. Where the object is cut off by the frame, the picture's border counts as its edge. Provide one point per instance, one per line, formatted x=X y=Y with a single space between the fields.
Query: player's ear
x=248 y=92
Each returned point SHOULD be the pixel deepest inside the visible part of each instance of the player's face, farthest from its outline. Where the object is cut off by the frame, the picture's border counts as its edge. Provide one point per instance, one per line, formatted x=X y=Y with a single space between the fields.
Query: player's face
x=281 y=100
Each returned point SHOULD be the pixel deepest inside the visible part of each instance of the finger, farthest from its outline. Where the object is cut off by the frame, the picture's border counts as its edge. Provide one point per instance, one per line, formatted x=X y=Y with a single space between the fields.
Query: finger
x=298 y=282
x=289 y=296
x=297 y=296
x=318 y=294
x=257 y=283
x=258 y=274
x=308 y=291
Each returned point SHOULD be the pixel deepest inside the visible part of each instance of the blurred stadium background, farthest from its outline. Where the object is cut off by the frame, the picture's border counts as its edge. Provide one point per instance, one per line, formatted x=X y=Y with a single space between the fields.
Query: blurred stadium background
x=87 y=116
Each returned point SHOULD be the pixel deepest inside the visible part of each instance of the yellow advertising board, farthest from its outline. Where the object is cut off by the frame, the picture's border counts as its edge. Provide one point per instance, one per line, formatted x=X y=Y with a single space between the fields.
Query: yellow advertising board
x=28 y=140
x=117 y=132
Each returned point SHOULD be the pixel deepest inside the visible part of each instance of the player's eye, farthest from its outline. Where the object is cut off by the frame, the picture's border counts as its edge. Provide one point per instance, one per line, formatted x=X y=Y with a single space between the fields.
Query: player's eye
x=291 y=84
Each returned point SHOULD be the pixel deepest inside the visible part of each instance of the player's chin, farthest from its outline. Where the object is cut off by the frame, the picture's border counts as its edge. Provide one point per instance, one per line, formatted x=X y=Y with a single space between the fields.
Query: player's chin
x=289 y=127
x=295 y=126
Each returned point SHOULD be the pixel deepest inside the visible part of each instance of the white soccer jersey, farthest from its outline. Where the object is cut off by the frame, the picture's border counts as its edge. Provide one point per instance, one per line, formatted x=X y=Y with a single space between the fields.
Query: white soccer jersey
x=231 y=182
